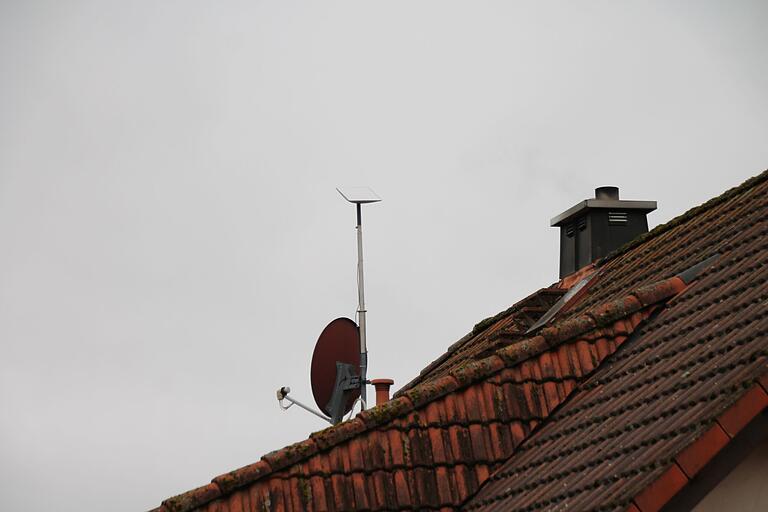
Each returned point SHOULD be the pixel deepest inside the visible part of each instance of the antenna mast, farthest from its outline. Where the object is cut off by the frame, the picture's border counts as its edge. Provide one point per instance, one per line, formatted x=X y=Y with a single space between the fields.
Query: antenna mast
x=360 y=196
x=361 y=307
x=341 y=347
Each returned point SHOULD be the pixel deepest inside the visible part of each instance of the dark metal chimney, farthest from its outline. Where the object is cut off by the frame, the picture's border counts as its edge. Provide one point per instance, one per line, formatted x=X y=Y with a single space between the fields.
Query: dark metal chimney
x=595 y=227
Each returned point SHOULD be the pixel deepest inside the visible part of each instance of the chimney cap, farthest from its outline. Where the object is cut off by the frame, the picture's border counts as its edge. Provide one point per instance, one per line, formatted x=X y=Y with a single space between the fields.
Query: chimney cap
x=607 y=193
x=605 y=197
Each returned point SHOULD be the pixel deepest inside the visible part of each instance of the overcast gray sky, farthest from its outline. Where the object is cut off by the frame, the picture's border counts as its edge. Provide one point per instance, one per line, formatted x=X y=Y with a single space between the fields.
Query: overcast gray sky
x=173 y=244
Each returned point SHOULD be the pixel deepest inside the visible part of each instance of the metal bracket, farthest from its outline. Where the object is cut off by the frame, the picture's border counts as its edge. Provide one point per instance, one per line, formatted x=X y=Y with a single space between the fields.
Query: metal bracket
x=282 y=394
x=346 y=383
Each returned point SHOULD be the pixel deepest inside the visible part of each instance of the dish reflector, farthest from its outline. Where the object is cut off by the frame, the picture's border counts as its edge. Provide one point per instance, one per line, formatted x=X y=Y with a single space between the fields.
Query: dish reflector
x=339 y=341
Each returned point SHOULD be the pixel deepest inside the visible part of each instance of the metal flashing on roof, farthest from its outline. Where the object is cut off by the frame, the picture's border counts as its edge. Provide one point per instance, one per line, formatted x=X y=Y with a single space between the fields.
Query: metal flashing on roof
x=688 y=275
x=555 y=309
x=693 y=272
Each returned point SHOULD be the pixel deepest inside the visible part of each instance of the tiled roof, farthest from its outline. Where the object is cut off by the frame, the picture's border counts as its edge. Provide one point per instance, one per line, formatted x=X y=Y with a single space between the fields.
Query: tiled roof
x=684 y=241
x=484 y=408
x=432 y=447
x=669 y=383
x=662 y=253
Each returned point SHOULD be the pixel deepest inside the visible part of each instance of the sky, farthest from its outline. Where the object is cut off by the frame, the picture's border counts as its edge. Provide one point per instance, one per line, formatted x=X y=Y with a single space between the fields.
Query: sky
x=173 y=243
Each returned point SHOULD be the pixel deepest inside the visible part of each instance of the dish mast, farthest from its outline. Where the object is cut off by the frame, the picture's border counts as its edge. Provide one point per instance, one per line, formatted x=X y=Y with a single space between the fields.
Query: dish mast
x=339 y=371
x=360 y=196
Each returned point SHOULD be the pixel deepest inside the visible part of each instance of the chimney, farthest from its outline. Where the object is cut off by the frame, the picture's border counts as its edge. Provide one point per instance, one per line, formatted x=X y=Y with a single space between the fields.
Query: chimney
x=382 y=389
x=595 y=227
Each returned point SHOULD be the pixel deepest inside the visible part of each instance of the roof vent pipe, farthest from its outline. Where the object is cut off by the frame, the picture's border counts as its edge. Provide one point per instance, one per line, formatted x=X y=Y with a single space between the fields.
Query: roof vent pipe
x=595 y=227
x=382 y=389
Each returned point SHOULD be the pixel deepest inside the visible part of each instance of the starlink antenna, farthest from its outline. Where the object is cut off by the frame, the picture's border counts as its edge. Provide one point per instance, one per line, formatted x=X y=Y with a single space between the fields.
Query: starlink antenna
x=360 y=196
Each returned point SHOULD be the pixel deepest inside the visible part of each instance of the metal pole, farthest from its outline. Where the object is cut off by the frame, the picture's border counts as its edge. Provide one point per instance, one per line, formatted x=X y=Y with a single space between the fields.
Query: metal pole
x=361 y=307
x=305 y=407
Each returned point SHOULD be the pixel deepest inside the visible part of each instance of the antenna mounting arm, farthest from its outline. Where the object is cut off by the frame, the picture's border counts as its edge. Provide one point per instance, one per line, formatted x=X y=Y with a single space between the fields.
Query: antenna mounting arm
x=282 y=394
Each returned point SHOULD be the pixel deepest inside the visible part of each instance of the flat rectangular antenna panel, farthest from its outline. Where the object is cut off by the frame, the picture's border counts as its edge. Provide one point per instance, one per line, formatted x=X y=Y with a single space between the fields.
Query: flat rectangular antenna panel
x=359 y=194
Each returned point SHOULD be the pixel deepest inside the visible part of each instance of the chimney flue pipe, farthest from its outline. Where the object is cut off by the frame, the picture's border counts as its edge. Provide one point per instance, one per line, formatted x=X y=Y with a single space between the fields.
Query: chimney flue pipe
x=607 y=193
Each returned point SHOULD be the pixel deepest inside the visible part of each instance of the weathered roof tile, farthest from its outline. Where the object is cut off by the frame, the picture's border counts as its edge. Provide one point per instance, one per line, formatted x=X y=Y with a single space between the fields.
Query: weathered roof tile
x=336 y=434
x=289 y=455
x=192 y=499
x=243 y=476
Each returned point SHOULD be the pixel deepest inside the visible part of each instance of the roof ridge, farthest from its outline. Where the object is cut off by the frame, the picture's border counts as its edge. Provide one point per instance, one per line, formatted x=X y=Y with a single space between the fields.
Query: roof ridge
x=547 y=338
x=485 y=323
x=685 y=216
x=477 y=330
x=561 y=286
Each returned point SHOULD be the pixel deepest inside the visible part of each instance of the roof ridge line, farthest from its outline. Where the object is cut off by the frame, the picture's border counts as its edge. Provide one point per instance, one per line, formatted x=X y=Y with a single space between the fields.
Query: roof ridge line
x=685 y=217
x=426 y=392
x=483 y=324
x=478 y=329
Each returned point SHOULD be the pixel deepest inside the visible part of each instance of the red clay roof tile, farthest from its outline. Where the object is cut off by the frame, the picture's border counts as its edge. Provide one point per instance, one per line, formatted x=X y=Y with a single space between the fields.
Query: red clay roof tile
x=654 y=293
x=744 y=410
x=698 y=454
x=192 y=499
x=239 y=477
x=289 y=455
x=662 y=490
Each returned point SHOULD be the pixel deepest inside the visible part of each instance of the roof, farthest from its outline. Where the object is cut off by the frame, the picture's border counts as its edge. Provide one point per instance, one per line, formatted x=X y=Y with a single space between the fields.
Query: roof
x=597 y=407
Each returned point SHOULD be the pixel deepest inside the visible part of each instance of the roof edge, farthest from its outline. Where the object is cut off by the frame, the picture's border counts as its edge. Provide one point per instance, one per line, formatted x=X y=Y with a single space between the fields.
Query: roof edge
x=420 y=395
x=697 y=455
x=685 y=217
x=478 y=329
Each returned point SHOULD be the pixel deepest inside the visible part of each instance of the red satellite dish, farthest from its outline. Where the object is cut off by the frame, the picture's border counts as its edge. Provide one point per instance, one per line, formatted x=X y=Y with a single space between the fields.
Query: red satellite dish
x=339 y=341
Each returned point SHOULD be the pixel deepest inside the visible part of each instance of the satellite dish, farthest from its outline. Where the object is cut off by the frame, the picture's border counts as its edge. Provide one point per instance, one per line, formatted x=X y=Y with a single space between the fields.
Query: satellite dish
x=338 y=343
